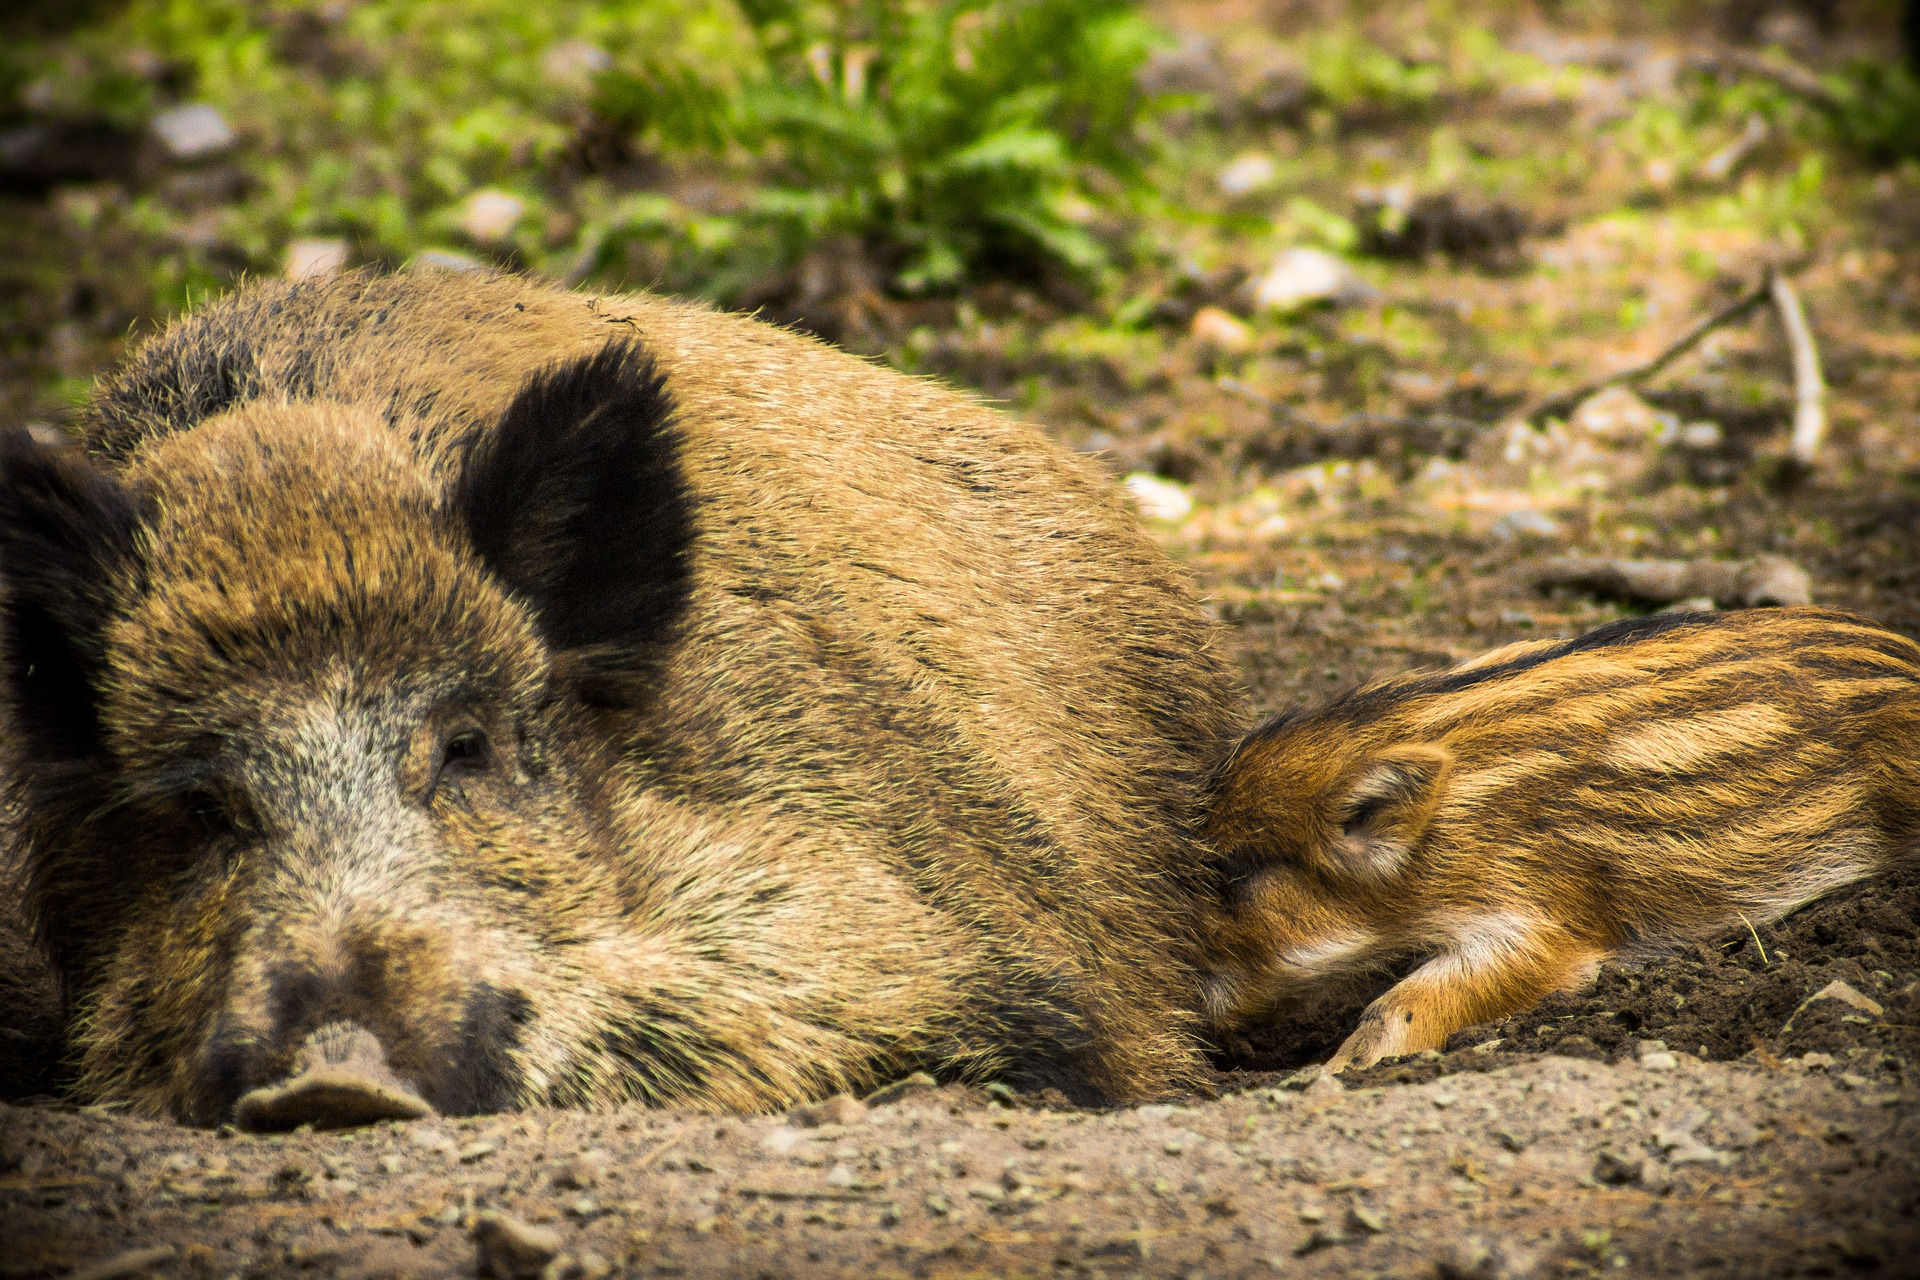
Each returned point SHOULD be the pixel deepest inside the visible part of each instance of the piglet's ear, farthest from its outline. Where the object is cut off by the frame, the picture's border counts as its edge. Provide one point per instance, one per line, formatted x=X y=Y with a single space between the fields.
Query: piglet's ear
x=67 y=539
x=1385 y=805
x=576 y=500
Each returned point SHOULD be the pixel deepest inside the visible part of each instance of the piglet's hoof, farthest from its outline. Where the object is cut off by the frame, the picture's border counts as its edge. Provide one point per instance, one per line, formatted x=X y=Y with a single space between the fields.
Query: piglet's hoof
x=340 y=1079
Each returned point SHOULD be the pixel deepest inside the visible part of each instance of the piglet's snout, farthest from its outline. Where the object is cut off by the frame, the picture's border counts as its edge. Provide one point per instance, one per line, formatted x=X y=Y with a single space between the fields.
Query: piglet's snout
x=340 y=1079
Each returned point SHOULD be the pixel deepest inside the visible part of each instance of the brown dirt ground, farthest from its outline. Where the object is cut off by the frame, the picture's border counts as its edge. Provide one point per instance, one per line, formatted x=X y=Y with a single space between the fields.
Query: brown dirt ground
x=1538 y=1146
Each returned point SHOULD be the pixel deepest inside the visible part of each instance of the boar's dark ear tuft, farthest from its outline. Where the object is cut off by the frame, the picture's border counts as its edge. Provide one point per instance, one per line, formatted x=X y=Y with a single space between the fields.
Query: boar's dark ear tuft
x=577 y=502
x=1386 y=804
x=67 y=534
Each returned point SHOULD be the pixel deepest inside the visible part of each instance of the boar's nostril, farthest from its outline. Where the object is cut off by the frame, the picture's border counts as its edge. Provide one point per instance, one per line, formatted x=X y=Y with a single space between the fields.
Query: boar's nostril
x=340 y=1079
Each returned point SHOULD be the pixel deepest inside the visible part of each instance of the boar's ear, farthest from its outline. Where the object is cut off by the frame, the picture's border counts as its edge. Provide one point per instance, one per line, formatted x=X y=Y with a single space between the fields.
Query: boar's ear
x=1384 y=806
x=67 y=532
x=576 y=500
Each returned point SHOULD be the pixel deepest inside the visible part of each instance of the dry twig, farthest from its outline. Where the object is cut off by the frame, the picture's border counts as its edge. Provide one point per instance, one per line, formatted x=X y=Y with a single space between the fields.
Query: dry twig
x=1809 y=388
x=1566 y=401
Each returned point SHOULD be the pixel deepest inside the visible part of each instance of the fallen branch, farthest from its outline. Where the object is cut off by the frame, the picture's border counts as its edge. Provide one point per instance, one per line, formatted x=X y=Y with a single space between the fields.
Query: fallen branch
x=1809 y=388
x=1565 y=402
x=1739 y=584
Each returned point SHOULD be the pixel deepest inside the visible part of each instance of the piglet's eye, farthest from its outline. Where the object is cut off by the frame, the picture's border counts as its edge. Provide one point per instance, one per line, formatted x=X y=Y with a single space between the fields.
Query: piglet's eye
x=466 y=751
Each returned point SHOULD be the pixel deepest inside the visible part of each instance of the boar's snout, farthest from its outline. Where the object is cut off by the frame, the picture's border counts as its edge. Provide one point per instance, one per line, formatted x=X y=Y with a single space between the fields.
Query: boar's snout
x=340 y=1079
x=339 y=1055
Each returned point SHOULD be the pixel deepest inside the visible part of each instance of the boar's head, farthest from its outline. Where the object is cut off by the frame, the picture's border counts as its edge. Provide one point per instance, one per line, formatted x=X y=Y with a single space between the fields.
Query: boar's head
x=308 y=724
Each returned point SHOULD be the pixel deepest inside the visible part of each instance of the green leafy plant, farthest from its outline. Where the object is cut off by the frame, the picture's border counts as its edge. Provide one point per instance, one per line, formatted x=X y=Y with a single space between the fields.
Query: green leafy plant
x=942 y=135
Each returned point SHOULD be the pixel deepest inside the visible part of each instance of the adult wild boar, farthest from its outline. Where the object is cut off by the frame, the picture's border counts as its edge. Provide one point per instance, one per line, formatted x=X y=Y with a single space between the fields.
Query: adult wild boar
x=448 y=691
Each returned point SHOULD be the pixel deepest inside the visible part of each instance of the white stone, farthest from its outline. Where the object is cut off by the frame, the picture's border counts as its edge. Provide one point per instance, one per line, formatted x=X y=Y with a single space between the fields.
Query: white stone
x=1617 y=414
x=315 y=259
x=1300 y=277
x=1248 y=173
x=1526 y=521
x=193 y=132
x=490 y=216
x=1158 y=499
x=1220 y=329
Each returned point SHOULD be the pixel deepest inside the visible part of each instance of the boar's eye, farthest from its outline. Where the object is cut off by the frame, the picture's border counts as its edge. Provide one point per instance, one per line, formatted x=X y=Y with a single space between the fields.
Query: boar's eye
x=465 y=751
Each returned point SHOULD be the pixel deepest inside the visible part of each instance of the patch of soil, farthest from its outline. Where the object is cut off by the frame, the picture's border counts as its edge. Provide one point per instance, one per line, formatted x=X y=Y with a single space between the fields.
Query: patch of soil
x=1549 y=1167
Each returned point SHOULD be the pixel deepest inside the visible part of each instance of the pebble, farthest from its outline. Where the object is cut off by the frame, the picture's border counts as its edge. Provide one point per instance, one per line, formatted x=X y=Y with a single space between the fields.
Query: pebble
x=1221 y=330
x=1300 y=277
x=443 y=260
x=1617 y=414
x=314 y=259
x=840 y=1109
x=582 y=1171
x=1248 y=173
x=1158 y=499
x=1528 y=523
x=193 y=132
x=510 y=1249
x=1658 y=1060
x=478 y=1151
x=1816 y=1061
x=490 y=216
x=1702 y=436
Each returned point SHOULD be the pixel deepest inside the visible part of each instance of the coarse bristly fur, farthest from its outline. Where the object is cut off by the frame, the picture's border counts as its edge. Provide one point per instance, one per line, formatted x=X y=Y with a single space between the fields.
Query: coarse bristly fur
x=1490 y=833
x=592 y=700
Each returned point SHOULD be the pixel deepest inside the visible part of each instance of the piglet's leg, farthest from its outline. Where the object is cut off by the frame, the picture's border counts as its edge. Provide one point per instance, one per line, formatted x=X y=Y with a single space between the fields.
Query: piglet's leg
x=1494 y=966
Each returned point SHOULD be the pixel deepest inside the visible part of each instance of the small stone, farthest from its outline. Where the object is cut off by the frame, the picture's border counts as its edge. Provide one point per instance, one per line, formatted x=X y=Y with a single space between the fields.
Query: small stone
x=1158 y=499
x=918 y=1082
x=1527 y=523
x=1658 y=1060
x=582 y=1171
x=1702 y=436
x=510 y=1249
x=840 y=1176
x=939 y=1206
x=314 y=259
x=782 y=1139
x=1300 y=277
x=840 y=1109
x=1173 y=1147
x=1368 y=1220
x=489 y=217
x=584 y=1207
x=1617 y=414
x=1443 y=1100
x=1248 y=173
x=193 y=132
x=1000 y=1092
x=476 y=1152
x=1312 y=1213
x=1848 y=1080
x=1847 y=995
x=444 y=260
x=1221 y=330
x=1817 y=1061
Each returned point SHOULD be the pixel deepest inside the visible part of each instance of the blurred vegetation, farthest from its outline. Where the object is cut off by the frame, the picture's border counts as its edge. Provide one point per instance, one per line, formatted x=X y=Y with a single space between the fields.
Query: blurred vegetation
x=850 y=164
x=942 y=137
